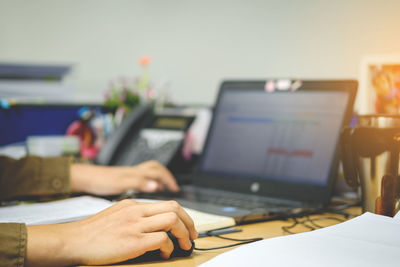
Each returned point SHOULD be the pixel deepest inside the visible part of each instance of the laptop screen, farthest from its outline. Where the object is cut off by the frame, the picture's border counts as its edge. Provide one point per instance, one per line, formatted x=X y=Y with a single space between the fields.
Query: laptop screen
x=283 y=136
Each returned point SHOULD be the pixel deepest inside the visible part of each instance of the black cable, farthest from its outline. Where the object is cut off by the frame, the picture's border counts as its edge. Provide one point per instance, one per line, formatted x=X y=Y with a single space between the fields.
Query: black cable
x=286 y=228
x=237 y=239
x=305 y=223
x=241 y=242
x=296 y=222
x=339 y=209
x=311 y=221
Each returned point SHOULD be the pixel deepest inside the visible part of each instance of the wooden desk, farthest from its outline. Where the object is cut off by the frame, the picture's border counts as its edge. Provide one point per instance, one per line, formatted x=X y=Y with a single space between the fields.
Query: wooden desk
x=264 y=229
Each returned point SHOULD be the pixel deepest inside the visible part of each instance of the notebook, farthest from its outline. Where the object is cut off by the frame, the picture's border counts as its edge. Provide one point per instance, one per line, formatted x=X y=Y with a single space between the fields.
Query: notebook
x=270 y=154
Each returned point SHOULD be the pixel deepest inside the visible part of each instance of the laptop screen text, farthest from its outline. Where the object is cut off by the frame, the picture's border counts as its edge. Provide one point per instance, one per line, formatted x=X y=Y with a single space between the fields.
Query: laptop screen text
x=284 y=136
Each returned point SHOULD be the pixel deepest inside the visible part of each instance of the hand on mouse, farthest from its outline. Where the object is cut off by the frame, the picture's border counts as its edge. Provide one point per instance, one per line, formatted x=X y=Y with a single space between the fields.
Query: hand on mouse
x=149 y=176
x=124 y=231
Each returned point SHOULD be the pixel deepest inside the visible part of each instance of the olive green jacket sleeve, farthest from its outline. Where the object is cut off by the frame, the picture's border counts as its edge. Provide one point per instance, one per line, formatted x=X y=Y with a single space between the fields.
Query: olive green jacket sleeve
x=27 y=177
x=12 y=244
x=33 y=176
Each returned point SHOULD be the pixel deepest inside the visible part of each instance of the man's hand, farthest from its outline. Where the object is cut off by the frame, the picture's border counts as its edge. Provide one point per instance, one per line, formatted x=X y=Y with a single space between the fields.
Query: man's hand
x=124 y=231
x=149 y=176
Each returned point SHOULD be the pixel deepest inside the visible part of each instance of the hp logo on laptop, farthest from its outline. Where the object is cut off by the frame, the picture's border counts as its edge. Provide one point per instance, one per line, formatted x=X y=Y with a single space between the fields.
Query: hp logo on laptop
x=254 y=187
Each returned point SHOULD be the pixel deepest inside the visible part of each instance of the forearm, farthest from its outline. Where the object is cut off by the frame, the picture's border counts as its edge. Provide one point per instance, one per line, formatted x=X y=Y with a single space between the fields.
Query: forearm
x=84 y=178
x=50 y=245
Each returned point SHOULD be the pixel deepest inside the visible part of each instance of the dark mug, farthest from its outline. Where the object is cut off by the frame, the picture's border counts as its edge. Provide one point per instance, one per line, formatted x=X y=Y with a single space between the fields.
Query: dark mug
x=370 y=151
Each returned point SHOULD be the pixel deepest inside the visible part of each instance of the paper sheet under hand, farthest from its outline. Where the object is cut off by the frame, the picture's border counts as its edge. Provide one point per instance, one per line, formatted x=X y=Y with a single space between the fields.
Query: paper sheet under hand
x=368 y=240
x=54 y=212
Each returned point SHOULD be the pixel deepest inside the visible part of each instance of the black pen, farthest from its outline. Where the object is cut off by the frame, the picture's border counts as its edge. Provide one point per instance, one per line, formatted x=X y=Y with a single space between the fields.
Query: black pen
x=220 y=232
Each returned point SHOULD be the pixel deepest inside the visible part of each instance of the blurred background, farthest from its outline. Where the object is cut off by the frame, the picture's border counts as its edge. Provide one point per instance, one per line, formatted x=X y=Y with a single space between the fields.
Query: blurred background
x=194 y=45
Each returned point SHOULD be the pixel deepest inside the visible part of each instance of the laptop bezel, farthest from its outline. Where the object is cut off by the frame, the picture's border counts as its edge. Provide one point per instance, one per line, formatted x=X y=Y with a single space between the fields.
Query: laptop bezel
x=312 y=194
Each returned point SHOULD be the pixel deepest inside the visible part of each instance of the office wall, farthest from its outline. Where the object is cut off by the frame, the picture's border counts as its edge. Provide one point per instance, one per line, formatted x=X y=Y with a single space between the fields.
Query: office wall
x=196 y=44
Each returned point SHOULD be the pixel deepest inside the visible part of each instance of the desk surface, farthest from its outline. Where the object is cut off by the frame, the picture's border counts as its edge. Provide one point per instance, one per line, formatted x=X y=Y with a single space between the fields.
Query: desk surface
x=264 y=229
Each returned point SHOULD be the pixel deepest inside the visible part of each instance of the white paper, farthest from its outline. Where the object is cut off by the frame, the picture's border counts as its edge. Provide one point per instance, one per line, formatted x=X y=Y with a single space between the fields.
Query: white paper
x=368 y=240
x=397 y=216
x=15 y=151
x=204 y=222
x=67 y=210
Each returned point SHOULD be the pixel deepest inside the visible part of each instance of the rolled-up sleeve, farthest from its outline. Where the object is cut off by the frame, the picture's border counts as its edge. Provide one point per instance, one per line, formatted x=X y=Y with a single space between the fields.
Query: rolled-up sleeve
x=13 y=238
x=33 y=176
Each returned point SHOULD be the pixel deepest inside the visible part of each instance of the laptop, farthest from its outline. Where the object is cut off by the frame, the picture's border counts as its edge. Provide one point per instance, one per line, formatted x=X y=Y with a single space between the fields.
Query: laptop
x=270 y=154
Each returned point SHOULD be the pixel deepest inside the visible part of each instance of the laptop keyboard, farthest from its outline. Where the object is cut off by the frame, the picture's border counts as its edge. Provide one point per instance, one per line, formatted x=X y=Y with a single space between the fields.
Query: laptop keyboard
x=233 y=199
x=225 y=199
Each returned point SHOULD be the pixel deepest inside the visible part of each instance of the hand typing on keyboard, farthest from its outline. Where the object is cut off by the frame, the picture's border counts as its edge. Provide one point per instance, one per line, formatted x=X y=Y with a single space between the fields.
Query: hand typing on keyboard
x=149 y=176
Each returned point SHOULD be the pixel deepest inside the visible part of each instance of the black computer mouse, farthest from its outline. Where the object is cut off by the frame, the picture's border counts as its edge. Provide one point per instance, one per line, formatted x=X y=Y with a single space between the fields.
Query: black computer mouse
x=178 y=252
x=154 y=255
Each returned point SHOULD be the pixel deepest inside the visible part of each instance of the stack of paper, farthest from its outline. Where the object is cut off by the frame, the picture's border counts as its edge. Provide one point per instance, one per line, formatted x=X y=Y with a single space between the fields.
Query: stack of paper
x=81 y=207
x=367 y=240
